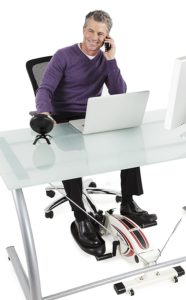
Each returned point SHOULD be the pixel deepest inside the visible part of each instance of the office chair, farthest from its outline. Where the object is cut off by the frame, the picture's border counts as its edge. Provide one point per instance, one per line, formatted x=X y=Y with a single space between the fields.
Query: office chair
x=35 y=68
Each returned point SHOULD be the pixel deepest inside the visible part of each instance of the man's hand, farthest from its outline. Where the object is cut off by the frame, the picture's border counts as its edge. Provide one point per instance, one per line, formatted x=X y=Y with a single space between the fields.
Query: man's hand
x=110 y=54
x=48 y=115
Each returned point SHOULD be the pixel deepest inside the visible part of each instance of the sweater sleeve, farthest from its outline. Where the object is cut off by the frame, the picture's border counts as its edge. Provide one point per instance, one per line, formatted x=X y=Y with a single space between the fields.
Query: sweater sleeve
x=114 y=81
x=51 y=78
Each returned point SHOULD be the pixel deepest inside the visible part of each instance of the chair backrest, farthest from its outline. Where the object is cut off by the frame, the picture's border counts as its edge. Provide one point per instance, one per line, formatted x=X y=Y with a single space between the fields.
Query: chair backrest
x=35 y=68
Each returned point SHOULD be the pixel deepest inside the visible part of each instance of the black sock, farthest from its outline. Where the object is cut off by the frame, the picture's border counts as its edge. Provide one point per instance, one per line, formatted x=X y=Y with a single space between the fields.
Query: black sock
x=80 y=215
x=126 y=199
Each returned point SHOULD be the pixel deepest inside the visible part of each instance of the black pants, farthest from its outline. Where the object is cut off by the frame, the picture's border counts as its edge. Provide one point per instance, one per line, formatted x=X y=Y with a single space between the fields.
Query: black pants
x=131 y=183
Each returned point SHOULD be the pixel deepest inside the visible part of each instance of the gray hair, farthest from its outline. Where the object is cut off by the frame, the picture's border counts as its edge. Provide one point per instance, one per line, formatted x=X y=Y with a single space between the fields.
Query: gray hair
x=99 y=16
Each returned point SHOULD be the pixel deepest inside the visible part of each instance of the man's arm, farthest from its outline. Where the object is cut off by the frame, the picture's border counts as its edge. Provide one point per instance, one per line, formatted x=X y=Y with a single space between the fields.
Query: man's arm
x=114 y=82
x=50 y=81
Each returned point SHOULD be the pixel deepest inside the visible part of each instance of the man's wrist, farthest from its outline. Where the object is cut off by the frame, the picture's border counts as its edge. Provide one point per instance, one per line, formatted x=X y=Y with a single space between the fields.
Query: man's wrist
x=49 y=116
x=45 y=113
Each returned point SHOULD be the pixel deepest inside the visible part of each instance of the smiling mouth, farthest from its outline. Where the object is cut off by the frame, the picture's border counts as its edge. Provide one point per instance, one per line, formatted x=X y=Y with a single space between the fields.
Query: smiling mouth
x=92 y=44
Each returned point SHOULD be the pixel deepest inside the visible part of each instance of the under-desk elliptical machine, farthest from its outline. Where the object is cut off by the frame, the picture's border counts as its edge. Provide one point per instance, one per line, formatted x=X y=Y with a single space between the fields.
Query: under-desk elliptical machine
x=130 y=241
x=128 y=237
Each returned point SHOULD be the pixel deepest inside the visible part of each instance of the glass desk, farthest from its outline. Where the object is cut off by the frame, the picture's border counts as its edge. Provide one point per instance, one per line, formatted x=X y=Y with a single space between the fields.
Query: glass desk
x=72 y=155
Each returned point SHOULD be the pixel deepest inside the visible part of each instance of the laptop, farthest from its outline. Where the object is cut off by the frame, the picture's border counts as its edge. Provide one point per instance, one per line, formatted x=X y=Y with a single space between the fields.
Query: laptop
x=113 y=112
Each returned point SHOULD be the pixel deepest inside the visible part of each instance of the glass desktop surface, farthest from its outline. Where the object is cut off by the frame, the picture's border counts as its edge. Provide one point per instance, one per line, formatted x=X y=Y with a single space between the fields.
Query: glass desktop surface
x=72 y=154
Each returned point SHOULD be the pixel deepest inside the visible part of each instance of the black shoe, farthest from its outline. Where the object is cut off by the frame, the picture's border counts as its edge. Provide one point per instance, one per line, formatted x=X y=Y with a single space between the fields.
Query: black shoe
x=131 y=209
x=87 y=238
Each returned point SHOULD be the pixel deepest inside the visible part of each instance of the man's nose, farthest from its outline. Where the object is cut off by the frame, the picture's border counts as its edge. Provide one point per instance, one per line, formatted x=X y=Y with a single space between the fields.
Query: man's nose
x=94 y=36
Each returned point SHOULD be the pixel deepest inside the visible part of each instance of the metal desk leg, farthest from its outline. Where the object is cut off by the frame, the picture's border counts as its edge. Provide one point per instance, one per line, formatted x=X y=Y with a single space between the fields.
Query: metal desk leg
x=34 y=292
x=20 y=272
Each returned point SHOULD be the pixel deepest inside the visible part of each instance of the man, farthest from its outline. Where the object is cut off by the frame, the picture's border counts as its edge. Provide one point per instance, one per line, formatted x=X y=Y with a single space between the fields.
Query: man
x=74 y=74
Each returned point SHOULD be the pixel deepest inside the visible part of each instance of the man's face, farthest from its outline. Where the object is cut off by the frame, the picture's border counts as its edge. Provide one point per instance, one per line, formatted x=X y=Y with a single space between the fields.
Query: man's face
x=94 y=35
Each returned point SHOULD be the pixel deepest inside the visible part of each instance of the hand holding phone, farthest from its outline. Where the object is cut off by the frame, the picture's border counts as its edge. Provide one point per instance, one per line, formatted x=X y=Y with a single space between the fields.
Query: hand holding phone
x=107 y=47
x=110 y=48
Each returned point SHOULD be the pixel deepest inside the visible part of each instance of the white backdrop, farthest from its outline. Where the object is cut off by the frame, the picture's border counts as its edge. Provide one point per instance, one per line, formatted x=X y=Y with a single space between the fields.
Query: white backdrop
x=149 y=35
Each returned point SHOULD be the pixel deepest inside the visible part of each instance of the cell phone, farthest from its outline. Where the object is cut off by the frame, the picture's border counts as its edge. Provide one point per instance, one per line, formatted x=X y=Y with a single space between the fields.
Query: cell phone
x=107 y=46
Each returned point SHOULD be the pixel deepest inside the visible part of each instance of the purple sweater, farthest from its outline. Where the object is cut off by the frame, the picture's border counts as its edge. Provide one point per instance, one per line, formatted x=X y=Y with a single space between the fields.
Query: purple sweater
x=71 y=78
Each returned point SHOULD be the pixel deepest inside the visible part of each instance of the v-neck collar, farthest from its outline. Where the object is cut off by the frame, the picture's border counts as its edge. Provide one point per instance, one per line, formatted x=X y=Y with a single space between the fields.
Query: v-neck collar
x=86 y=56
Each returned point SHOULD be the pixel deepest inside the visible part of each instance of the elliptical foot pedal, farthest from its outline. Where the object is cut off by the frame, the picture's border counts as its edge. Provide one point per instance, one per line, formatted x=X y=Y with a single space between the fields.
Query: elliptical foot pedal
x=142 y=222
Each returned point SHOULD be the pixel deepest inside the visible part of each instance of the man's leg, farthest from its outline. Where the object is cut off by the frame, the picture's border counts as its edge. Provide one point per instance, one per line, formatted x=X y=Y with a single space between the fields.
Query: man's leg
x=73 y=189
x=82 y=229
x=131 y=184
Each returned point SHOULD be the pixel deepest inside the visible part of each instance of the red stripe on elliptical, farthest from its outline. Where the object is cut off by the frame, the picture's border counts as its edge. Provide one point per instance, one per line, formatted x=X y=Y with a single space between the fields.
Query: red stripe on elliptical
x=131 y=232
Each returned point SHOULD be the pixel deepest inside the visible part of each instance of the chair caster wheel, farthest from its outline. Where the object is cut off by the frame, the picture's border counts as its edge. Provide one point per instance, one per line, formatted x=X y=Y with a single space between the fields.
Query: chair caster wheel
x=118 y=199
x=92 y=184
x=49 y=215
x=50 y=193
x=131 y=292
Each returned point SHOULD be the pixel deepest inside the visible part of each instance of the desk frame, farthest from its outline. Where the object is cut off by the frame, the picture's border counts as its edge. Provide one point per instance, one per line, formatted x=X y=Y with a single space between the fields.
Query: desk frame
x=31 y=284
